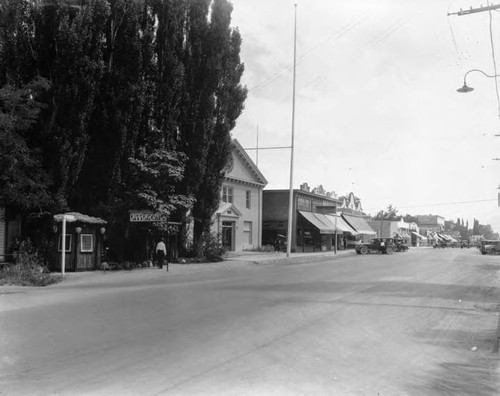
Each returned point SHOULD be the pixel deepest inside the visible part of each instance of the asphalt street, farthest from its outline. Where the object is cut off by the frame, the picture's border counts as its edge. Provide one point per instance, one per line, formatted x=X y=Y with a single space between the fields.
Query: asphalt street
x=423 y=322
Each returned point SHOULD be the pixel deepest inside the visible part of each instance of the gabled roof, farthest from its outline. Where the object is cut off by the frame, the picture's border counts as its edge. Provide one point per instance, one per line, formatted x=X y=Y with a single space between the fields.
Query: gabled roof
x=225 y=209
x=240 y=151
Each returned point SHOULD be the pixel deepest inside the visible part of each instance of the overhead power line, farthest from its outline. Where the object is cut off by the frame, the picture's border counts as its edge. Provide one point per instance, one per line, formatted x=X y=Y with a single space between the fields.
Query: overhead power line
x=441 y=204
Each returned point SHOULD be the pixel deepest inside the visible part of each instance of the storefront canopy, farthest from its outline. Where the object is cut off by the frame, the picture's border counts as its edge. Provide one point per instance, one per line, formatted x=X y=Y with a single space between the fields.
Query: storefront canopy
x=319 y=221
x=341 y=224
x=359 y=224
x=418 y=235
x=327 y=224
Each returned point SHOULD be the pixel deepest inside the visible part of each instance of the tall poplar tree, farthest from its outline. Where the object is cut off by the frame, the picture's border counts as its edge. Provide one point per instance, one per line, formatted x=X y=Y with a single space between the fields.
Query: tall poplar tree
x=213 y=100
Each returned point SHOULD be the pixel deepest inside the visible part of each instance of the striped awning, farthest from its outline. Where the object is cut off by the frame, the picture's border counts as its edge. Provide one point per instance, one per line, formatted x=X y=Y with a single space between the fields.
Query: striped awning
x=359 y=224
x=328 y=224
x=341 y=224
x=324 y=225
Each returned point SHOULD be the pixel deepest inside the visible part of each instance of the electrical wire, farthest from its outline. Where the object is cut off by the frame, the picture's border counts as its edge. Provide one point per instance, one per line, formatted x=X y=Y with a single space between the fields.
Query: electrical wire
x=443 y=204
x=454 y=40
x=494 y=62
x=335 y=35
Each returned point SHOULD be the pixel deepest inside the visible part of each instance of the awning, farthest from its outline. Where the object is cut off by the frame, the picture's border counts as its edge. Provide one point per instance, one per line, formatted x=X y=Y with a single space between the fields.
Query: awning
x=342 y=225
x=359 y=224
x=326 y=224
x=320 y=221
x=433 y=236
x=418 y=235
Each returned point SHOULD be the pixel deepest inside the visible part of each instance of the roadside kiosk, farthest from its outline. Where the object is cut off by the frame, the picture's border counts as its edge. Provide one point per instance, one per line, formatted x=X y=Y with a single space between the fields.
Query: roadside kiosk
x=84 y=236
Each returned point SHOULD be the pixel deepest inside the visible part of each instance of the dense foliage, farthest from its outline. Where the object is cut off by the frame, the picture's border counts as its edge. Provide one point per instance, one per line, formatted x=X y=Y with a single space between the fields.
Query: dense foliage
x=28 y=268
x=112 y=105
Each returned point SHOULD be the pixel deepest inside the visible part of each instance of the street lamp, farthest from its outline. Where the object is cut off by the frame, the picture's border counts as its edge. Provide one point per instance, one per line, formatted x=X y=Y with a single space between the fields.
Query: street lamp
x=465 y=88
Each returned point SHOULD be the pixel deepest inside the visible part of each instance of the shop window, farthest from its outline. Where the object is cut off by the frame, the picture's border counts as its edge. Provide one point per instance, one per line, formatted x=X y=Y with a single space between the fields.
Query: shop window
x=86 y=243
x=67 y=245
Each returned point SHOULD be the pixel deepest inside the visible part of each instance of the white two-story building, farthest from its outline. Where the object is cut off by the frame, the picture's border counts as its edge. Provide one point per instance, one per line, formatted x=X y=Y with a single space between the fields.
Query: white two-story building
x=238 y=220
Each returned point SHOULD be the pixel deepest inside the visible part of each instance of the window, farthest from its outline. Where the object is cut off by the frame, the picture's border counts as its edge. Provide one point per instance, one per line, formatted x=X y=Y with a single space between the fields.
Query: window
x=67 y=244
x=247 y=231
x=227 y=194
x=86 y=243
x=249 y=199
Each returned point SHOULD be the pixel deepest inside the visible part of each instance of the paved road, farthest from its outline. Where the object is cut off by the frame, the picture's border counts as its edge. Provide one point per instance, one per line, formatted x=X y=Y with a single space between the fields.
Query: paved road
x=416 y=323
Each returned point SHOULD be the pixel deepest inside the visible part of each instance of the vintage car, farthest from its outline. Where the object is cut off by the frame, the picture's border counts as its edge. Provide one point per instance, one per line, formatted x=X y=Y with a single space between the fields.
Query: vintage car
x=441 y=244
x=400 y=245
x=377 y=245
x=490 y=247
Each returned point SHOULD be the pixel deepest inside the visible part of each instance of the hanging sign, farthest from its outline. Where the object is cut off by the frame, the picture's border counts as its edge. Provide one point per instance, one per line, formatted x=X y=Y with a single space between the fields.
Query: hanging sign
x=146 y=216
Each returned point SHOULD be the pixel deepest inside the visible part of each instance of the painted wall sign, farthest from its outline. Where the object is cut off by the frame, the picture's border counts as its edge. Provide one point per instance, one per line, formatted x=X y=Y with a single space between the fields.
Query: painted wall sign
x=137 y=217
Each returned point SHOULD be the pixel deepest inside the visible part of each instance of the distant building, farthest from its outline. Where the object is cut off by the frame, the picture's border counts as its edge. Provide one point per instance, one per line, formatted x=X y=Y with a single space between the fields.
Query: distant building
x=318 y=222
x=238 y=220
x=430 y=224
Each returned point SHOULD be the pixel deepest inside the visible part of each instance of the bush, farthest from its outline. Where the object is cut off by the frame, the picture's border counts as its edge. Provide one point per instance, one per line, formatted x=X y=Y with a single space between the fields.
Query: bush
x=212 y=248
x=28 y=268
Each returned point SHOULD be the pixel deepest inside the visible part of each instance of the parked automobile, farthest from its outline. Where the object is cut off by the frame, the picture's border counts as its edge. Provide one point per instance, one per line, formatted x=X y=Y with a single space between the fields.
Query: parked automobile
x=441 y=244
x=490 y=247
x=377 y=245
x=400 y=245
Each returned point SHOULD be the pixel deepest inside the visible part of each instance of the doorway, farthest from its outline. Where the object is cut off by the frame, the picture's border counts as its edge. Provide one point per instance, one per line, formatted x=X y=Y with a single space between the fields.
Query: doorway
x=228 y=235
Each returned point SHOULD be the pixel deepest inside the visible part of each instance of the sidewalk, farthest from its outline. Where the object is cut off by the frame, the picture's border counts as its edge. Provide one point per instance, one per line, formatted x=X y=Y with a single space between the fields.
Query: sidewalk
x=231 y=260
x=276 y=257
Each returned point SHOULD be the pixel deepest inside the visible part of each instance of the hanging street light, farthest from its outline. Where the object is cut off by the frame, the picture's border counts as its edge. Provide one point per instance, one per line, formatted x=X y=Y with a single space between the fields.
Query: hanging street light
x=465 y=88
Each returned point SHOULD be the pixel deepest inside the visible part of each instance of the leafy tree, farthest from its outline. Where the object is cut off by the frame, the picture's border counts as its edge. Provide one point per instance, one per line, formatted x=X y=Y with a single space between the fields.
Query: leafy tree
x=391 y=213
x=140 y=101
x=23 y=182
x=213 y=99
x=476 y=228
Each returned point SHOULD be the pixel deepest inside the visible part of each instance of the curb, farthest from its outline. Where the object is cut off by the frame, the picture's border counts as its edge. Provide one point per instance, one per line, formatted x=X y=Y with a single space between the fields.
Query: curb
x=292 y=260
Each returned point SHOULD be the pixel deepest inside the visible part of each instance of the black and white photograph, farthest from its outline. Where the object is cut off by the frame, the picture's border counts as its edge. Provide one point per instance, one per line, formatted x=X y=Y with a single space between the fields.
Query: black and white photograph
x=249 y=198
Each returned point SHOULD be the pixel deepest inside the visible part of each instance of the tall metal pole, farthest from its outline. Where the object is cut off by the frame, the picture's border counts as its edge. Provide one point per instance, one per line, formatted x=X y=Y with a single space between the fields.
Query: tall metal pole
x=63 y=246
x=290 y=200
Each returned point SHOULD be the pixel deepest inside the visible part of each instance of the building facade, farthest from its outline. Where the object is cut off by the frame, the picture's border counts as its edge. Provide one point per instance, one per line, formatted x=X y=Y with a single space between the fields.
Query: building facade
x=317 y=223
x=430 y=224
x=238 y=220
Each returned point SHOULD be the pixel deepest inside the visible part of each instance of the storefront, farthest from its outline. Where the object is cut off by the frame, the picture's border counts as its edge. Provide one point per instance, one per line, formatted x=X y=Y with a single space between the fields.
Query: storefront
x=312 y=233
x=361 y=226
x=322 y=232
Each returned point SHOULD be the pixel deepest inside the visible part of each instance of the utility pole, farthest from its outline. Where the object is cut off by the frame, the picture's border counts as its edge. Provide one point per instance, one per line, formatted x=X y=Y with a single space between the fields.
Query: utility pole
x=475 y=10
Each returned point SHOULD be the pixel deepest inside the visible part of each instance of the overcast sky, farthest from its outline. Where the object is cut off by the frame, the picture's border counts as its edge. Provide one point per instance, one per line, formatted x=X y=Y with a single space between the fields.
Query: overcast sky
x=377 y=111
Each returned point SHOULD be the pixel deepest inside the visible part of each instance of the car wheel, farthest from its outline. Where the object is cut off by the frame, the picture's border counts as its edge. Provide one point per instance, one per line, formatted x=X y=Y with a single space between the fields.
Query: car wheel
x=493 y=251
x=389 y=250
x=363 y=250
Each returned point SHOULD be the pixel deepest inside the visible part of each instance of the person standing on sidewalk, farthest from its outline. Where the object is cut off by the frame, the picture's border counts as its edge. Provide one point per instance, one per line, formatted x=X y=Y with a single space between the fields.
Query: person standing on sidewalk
x=161 y=253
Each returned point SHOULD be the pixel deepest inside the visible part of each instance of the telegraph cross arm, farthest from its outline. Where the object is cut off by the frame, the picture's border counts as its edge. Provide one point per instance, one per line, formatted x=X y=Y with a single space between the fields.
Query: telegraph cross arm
x=475 y=10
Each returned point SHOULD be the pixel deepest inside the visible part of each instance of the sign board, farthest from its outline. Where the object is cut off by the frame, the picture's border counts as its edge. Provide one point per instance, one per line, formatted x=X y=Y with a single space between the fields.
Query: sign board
x=144 y=216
